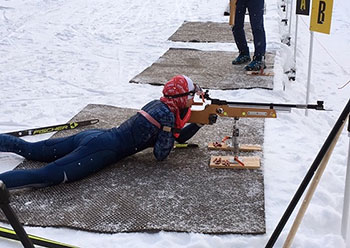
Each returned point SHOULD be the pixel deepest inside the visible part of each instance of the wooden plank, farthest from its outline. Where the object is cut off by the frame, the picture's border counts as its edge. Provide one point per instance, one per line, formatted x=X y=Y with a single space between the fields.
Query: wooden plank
x=249 y=162
x=261 y=73
x=225 y=147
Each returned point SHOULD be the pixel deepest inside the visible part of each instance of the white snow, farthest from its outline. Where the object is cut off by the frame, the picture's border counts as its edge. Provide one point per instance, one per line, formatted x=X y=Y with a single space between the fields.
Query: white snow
x=57 y=56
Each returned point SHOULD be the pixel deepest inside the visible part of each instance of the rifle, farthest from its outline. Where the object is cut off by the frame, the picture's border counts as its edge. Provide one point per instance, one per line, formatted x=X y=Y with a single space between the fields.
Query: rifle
x=225 y=108
x=238 y=110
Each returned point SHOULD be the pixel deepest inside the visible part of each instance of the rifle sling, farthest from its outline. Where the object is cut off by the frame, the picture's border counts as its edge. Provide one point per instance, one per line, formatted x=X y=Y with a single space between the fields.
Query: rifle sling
x=157 y=124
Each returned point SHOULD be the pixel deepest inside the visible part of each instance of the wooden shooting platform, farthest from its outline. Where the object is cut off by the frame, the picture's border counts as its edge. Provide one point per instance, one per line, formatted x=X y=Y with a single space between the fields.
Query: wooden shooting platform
x=227 y=162
x=140 y=194
x=210 y=69
x=208 y=32
x=225 y=147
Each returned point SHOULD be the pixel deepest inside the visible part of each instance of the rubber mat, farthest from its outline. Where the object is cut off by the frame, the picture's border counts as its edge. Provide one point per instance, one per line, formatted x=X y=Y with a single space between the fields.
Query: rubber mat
x=210 y=69
x=208 y=32
x=139 y=194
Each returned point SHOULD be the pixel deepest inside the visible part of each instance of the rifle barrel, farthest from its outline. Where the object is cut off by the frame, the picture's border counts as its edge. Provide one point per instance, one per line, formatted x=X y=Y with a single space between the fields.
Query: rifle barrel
x=276 y=106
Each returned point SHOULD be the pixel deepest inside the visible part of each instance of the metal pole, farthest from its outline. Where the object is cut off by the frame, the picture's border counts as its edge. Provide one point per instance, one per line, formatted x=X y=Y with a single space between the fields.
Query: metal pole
x=309 y=70
x=296 y=40
x=290 y=19
x=235 y=135
x=286 y=18
x=12 y=218
x=345 y=216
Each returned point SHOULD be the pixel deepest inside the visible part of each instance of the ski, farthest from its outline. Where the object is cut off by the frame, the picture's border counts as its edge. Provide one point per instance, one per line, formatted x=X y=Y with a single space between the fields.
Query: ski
x=11 y=234
x=54 y=128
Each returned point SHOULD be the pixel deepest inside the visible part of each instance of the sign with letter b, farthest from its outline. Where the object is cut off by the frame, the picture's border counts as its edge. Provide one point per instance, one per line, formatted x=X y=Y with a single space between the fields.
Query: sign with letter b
x=321 y=16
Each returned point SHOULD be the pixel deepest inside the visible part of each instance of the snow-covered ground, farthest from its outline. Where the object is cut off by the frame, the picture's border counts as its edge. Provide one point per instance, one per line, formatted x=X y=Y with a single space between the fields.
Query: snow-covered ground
x=57 y=56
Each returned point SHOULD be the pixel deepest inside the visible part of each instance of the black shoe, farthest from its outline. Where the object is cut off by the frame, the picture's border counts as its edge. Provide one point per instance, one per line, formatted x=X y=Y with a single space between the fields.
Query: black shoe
x=241 y=59
x=256 y=65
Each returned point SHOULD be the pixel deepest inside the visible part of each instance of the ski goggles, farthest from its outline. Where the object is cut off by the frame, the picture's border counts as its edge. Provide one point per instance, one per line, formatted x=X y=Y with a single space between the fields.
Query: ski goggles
x=197 y=90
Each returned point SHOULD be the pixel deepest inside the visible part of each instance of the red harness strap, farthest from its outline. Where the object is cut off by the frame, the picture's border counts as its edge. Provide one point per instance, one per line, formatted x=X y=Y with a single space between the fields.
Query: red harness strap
x=150 y=118
x=154 y=121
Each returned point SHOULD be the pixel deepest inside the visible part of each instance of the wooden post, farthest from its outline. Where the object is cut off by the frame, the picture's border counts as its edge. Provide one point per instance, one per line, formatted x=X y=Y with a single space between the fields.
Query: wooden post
x=232 y=12
x=311 y=190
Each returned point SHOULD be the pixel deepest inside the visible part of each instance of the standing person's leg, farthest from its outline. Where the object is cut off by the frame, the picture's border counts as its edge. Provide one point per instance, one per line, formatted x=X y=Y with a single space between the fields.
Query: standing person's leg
x=239 y=34
x=256 y=16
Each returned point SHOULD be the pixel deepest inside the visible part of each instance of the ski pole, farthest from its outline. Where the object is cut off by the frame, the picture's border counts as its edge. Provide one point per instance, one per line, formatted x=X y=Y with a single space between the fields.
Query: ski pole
x=12 y=218
x=312 y=188
x=41 y=241
x=320 y=156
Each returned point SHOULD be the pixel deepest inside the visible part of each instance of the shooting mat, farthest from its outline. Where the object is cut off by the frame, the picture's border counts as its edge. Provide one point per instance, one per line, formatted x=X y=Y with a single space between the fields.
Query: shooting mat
x=140 y=194
x=208 y=32
x=210 y=69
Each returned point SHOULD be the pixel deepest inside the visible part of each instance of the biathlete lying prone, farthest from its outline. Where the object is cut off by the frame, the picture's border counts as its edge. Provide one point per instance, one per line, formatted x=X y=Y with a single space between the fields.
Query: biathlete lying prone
x=158 y=125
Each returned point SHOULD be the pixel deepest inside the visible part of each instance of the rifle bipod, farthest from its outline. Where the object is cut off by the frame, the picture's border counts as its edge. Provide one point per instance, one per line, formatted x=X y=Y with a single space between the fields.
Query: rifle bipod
x=234 y=161
x=234 y=142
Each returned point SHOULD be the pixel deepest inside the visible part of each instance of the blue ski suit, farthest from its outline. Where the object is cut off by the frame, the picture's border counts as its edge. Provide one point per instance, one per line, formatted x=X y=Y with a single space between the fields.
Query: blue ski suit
x=75 y=157
x=256 y=17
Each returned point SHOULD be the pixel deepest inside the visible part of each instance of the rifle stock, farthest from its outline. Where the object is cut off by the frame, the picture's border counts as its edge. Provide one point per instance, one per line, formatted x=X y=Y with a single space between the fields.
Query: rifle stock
x=210 y=112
